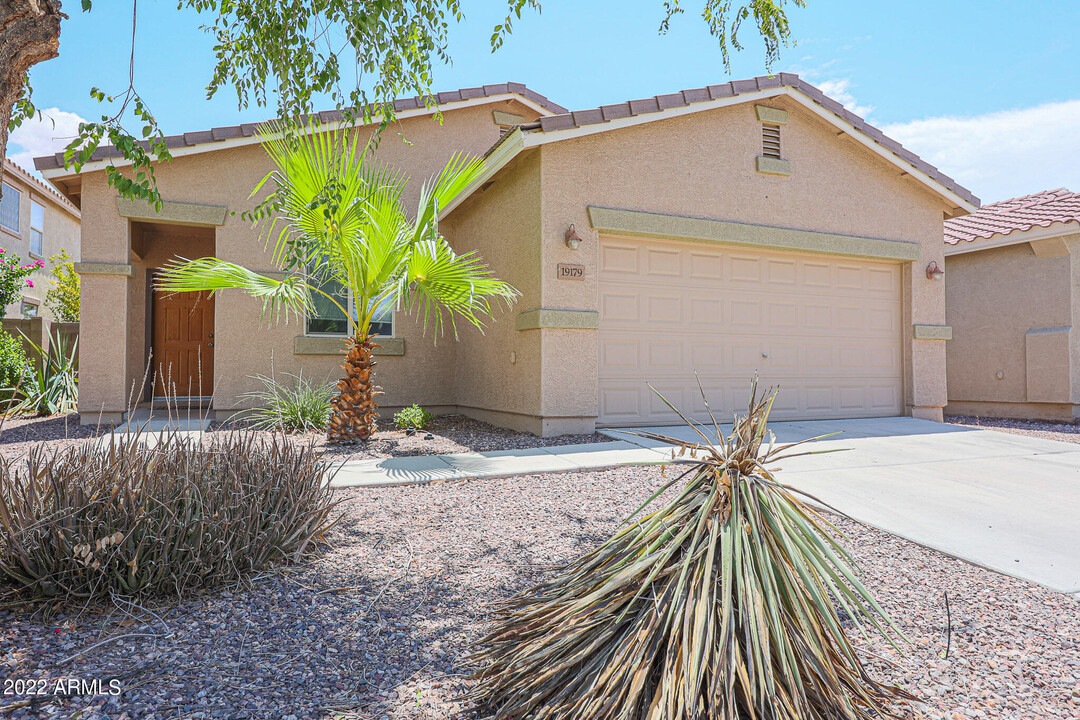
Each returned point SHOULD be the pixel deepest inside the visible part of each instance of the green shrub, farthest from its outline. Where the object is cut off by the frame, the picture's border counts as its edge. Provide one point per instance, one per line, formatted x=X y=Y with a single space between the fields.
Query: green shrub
x=302 y=406
x=51 y=383
x=12 y=360
x=97 y=519
x=63 y=295
x=413 y=417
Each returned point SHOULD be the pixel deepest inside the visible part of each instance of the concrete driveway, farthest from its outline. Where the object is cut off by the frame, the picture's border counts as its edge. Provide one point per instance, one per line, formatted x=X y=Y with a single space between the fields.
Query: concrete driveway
x=1007 y=502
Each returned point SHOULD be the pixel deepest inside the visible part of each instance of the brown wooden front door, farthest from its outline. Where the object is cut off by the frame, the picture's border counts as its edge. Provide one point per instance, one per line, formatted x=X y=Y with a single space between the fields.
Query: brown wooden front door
x=183 y=344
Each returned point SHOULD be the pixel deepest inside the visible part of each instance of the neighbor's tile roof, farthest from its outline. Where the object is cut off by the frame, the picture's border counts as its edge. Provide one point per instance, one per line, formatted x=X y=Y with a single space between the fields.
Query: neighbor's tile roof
x=659 y=103
x=1042 y=209
x=20 y=172
x=228 y=132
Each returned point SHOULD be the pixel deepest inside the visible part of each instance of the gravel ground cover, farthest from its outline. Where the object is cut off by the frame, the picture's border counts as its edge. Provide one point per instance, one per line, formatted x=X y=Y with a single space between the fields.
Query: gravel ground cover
x=446 y=435
x=376 y=627
x=1065 y=432
x=18 y=435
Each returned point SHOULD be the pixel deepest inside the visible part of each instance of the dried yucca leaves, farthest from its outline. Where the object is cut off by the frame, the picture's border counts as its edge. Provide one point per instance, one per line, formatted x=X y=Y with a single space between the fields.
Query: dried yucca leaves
x=722 y=604
x=122 y=517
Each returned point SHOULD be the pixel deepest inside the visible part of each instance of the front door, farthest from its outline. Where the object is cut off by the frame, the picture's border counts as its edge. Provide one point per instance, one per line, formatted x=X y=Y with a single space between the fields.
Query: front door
x=183 y=344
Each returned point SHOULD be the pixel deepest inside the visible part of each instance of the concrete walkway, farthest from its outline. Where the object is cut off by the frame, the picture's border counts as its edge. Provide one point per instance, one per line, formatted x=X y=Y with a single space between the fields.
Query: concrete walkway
x=1007 y=502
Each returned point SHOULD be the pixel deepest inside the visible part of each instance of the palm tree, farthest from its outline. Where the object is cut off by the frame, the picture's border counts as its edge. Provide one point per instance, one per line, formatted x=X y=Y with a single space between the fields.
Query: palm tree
x=340 y=234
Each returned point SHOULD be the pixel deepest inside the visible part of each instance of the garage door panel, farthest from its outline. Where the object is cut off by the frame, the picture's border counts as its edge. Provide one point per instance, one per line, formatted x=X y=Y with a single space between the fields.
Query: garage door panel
x=827 y=330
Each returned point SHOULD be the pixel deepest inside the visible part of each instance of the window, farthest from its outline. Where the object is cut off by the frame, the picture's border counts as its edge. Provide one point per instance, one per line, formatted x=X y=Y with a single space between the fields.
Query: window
x=9 y=208
x=37 y=227
x=329 y=320
x=770 y=140
x=29 y=309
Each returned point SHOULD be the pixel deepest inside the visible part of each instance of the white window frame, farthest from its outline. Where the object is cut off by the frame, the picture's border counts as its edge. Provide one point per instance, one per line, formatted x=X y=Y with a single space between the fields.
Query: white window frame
x=10 y=191
x=309 y=333
x=40 y=230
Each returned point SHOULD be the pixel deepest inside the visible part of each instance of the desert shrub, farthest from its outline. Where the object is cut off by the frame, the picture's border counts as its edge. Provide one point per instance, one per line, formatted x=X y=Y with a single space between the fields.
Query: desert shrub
x=122 y=517
x=12 y=360
x=65 y=288
x=413 y=417
x=300 y=406
x=50 y=385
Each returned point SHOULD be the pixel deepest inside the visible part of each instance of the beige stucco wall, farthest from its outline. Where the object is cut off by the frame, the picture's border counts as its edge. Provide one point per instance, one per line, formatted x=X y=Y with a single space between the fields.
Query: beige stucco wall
x=1013 y=353
x=61 y=232
x=499 y=372
x=703 y=165
x=244 y=346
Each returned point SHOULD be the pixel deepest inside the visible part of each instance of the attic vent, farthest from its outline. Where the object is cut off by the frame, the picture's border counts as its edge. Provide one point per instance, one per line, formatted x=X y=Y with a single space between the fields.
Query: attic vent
x=770 y=140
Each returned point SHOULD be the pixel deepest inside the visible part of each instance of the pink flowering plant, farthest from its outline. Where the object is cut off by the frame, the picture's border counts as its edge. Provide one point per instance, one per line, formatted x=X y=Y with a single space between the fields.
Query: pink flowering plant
x=14 y=277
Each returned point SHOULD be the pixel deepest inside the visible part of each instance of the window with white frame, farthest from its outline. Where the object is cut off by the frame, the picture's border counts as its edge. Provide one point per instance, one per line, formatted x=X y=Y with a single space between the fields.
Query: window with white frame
x=9 y=208
x=37 y=227
x=327 y=318
x=29 y=309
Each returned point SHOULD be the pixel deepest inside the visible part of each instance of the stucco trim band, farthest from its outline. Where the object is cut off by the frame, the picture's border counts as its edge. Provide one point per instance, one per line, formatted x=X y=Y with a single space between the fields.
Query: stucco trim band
x=933 y=332
x=173 y=212
x=673 y=227
x=94 y=268
x=767 y=114
x=321 y=345
x=773 y=166
x=549 y=318
x=505 y=118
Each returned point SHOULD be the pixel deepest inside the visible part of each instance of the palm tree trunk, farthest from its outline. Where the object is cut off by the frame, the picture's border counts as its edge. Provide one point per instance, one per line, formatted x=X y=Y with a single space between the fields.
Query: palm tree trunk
x=355 y=410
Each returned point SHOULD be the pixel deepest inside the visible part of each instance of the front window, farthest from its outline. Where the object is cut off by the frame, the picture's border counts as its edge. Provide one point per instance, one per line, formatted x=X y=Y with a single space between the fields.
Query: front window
x=29 y=309
x=9 y=208
x=327 y=319
x=37 y=227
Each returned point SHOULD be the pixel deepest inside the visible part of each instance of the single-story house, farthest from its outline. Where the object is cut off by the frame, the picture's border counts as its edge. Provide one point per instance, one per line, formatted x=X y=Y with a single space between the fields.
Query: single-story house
x=1013 y=301
x=35 y=224
x=752 y=226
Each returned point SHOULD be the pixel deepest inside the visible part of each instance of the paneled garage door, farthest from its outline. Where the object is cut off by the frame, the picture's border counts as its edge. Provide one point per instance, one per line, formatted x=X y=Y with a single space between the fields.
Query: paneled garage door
x=826 y=330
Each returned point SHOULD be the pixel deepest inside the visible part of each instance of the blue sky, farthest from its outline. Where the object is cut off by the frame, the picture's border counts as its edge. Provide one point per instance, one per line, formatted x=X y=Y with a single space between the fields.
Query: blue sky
x=988 y=91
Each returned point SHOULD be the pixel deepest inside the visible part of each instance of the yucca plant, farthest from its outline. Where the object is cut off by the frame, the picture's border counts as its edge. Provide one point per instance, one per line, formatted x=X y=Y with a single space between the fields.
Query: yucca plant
x=340 y=232
x=51 y=384
x=722 y=604
x=118 y=516
x=302 y=406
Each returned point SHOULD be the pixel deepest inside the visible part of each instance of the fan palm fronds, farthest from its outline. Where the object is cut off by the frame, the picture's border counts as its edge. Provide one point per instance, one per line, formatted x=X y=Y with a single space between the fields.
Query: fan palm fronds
x=721 y=605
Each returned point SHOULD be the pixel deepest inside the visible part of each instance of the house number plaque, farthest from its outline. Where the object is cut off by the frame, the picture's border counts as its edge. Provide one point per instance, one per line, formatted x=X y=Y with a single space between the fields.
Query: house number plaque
x=571 y=272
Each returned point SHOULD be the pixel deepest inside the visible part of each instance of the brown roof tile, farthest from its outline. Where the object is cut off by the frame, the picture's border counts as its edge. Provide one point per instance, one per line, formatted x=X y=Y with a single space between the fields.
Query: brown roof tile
x=1018 y=214
x=220 y=134
x=659 y=103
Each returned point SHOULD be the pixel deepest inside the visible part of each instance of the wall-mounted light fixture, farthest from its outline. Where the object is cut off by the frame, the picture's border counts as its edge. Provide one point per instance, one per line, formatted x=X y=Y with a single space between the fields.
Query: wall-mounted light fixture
x=572 y=238
x=933 y=272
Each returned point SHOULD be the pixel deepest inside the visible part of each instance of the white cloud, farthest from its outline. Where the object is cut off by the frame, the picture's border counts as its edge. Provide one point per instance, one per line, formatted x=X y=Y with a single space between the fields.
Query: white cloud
x=1003 y=154
x=840 y=91
x=44 y=134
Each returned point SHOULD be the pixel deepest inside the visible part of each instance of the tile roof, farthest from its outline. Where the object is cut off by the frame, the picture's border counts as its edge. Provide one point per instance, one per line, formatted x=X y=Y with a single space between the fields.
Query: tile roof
x=659 y=103
x=220 y=134
x=1041 y=209
x=20 y=172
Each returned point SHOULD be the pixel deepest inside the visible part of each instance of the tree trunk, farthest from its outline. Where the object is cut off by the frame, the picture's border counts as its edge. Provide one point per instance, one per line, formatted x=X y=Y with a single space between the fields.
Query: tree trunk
x=355 y=410
x=29 y=34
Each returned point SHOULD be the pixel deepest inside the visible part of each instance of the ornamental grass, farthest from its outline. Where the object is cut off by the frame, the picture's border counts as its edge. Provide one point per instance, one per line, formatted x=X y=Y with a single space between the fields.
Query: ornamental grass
x=725 y=603
x=119 y=517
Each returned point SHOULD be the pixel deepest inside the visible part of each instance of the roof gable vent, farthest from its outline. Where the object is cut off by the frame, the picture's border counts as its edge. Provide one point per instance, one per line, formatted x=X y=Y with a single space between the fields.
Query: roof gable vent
x=770 y=140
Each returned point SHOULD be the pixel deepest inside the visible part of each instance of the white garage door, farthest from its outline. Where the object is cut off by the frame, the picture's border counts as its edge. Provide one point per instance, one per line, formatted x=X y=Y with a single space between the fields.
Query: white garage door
x=826 y=330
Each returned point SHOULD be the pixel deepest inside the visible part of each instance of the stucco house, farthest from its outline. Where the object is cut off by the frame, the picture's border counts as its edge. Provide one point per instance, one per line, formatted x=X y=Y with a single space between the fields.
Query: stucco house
x=1013 y=300
x=35 y=224
x=755 y=225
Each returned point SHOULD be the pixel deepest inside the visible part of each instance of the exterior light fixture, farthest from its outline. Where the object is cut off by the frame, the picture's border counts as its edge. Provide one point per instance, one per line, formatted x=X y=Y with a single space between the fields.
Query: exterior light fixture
x=572 y=238
x=933 y=272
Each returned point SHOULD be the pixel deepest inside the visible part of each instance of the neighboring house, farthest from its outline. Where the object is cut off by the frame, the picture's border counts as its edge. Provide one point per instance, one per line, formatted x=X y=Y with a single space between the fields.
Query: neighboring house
x=753 y=226
x=35 y=224
x=1013 y=301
